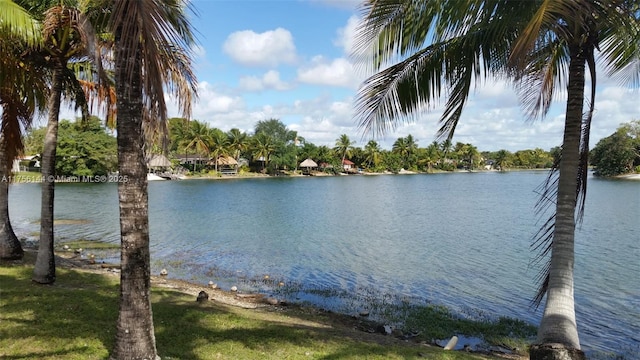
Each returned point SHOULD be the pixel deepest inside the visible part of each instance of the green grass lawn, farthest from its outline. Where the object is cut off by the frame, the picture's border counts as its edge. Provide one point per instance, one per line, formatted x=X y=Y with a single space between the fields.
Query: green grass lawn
x=76 y=317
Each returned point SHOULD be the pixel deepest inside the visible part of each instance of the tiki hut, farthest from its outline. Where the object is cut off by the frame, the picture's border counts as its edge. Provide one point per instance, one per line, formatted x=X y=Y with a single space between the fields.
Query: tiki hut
x=158 y=162
x=307 y=166
x=227 y=165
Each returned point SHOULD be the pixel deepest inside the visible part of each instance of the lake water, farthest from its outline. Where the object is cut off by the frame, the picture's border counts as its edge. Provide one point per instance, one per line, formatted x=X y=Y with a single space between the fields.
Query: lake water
x=461 y=240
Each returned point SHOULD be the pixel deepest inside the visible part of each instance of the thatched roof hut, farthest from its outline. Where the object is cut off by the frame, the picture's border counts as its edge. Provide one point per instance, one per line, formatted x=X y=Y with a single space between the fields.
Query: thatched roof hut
x=225 y=164
x=158 y=161
x=308 y=163
x=223 y=160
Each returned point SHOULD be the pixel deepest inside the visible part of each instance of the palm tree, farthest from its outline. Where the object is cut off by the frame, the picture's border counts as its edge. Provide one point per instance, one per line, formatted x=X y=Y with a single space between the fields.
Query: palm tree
x=68 y=37
x=10 y=248
x=469 y=154
x=219 y=145
x=263 y=146
x=432 y=155
x=406 y=147
x=238 y=142
x=412 y=147
x=400 y=147
x=541 y=44
x=503 y=160
x=18 y=31
x=343 y=147
x=372 y=153
x=198 y=139
x=152 y=40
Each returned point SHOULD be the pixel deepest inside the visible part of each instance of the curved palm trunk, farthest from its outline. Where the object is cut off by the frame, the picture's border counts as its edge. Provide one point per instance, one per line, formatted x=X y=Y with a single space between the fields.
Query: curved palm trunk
x=135 y=337
x=44 y=271
x=558 y=325
x=10 y=248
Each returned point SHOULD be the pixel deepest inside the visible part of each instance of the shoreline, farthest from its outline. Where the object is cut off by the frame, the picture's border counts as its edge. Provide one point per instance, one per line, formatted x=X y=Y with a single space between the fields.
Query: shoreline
x=359 y=326
x=358 y=330
x=628 y=177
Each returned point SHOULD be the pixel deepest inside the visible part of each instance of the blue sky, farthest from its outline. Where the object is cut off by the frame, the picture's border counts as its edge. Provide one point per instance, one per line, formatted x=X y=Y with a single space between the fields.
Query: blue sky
x=288 y=59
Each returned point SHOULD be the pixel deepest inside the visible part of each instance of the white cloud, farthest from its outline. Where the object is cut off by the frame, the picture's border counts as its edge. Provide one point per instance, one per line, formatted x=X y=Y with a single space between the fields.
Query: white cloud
x=251 y=83
x=338 y=72
x=491 y=120
x=269 y=48
x=211 y=101
x=346 y=35
x=270 y=80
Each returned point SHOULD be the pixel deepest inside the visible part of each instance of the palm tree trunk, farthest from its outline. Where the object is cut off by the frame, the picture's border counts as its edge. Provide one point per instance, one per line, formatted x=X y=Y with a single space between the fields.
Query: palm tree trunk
x=135 y=337
x=44 y=271
x=10 y=248
x=558 y=325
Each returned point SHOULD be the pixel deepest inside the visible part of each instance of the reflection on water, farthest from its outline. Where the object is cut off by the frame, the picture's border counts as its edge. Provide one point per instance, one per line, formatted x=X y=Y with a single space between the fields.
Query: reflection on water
x=461 y=240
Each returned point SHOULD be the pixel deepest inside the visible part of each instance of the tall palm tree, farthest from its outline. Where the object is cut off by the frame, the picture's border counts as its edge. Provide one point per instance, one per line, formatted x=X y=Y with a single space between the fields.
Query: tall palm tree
x=68 y=36
x=540 y=44
x=373 y=152
x=198 y=139
x=263 y=146
x=400 y=147
x=343 y=147
x=412 y=144
x=22 y=92
x=10 y=248
x=219 y=145
x=238 y=142
x=152 y=43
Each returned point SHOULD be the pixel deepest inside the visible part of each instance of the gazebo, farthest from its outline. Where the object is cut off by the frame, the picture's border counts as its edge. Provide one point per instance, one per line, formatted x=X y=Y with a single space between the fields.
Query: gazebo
x=225 y=164
x=308 y=164
x=158 y=162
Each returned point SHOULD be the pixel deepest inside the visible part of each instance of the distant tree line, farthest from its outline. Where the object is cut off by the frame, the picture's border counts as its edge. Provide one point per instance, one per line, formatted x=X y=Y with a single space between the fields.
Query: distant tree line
x=273 y=147
x=88 y=148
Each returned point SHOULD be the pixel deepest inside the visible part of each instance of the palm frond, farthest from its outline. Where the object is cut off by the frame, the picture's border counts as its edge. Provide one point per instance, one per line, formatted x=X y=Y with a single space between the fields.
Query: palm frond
x=465 y=46
x=583 y=165
x=101 y=97
x=543 y=239
x=620 y=41
x=163 y=28
x=393 y=95
x=392 y=27
x=546 y=70
x=15 y=21
x=550 y=16
x=16 y=117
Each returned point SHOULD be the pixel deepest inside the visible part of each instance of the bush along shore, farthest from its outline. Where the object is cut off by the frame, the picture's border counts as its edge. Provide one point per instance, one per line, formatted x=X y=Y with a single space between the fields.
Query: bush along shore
x=75 y=319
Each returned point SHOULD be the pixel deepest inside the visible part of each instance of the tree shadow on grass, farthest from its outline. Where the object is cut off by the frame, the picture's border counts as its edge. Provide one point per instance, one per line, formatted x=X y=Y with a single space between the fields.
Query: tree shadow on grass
x=73 y=318
x=186 y=330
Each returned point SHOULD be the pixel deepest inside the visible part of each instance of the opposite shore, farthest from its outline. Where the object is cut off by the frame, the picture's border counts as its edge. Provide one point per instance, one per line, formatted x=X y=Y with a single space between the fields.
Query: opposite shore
x=31 y=177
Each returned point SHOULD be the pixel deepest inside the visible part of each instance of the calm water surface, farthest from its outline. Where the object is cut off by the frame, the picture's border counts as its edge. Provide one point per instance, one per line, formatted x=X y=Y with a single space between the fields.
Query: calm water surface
x=461 y=240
